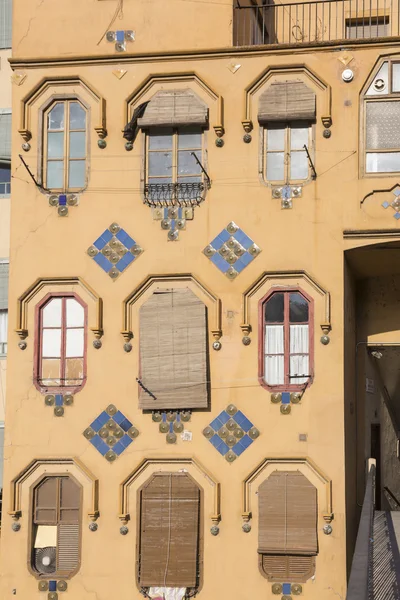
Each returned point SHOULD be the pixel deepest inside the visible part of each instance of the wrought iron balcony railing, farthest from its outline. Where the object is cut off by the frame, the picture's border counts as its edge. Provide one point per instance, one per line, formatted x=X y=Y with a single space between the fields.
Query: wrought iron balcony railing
x=315 y=22
x=174 y=194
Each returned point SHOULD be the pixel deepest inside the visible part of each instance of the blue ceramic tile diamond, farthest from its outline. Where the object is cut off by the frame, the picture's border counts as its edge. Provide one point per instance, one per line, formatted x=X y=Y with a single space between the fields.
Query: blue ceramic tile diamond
x=232 y=250
x=231 y=433
x=395 y=203
x=111 y=433
x=114 y=250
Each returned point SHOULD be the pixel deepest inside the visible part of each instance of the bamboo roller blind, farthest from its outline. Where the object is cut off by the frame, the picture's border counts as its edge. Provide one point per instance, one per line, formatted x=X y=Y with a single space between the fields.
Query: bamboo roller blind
x=174 y=107
x=169 y=531
x=173 y=351
x=287 y=535
x=286 y=101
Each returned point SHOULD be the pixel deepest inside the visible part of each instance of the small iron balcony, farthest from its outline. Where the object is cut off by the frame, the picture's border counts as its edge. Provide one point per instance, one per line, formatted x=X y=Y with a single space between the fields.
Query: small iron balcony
x=315 y=22
x=174 y=194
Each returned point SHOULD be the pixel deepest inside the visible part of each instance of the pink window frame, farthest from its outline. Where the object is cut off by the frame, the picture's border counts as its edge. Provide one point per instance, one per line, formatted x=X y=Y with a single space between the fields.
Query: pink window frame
x=37 y=371
x=286 y=387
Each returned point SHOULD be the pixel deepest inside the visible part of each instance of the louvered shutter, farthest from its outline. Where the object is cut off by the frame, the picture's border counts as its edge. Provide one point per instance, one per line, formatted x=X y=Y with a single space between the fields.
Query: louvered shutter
x=68 y=526
x=286 y=101
x=173 y=351
x=5 y=23
x=280 y=567
x=287 y=526
x=174 y=107
x=4 y=268
x=169 y=531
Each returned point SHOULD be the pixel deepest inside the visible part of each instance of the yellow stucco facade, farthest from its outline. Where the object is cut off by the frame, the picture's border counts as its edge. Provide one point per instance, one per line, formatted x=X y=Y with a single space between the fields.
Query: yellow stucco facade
x=61 y=52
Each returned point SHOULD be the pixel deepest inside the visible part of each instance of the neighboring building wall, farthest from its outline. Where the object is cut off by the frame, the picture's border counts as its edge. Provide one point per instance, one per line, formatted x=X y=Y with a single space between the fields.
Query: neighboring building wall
x=5 y=158
x=54 y=250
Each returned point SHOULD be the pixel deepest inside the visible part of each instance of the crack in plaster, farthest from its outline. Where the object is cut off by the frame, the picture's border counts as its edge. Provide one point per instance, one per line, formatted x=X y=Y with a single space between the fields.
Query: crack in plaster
x=29 y=25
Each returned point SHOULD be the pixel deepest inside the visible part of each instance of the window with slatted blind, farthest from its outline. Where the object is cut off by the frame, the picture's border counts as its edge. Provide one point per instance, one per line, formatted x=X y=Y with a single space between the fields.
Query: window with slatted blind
x=169 y=552
x=56 y=527
x=287 y=530
x=173 y=351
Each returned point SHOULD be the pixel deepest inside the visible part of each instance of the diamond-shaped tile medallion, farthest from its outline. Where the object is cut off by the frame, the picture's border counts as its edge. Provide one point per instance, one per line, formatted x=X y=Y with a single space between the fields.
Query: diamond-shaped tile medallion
x=111 y=433
x=232 y=250
x=395 y=203
x=114 y=250
x=231 y=433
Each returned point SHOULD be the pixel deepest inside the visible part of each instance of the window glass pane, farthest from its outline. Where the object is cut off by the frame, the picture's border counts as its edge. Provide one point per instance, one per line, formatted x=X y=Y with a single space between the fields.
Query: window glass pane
x=298 y=366
x=275 y=139
x=75 y=313
x=189 y=138
x=299 y=339
x=68 y=515
x=77 y=144
x=51 y=313
x=160 y=163
x=274 y=309
x=51 y=343
x=77 y=174
x=55 y=118
x=160 y=139
x=46 y=493
x=74 y=371
x=383 y=162
x=75 y=342
x=396 y=77
x=383 y=125
x=55 y=145
x=275 y=166
x=298 y=308
x=298 y=165
x=187 y=164
x=5 y=173
x=51 y=372
x=274 y=339
x=55 y=174
x=298 y=137
x=69 y=493
x=274 y=373
x=77 y=116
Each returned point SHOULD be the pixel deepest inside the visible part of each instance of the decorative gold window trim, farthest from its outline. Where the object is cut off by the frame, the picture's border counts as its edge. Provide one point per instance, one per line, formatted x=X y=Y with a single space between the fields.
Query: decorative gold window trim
x=154 y=83
x=203 y=292
x=44 y=282
x=283 y=464
x=306 y=74
x=278 y=276
x=49 y=86
x=50 y=466
x=154 y=464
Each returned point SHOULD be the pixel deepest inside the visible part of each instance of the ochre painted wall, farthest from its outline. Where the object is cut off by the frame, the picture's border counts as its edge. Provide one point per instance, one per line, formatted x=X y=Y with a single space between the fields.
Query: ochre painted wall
x=307 y=238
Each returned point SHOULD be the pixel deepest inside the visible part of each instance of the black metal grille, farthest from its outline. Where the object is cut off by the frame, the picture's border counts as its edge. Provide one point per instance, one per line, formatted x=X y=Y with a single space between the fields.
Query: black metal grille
x=174 y=194
x=317 y=21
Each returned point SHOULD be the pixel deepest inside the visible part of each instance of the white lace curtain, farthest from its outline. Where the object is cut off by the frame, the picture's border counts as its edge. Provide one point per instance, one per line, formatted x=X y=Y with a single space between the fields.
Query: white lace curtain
x=274 y=373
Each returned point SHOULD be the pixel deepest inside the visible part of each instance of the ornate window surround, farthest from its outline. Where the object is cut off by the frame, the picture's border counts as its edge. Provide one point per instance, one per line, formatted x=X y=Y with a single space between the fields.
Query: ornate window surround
x=45 y=285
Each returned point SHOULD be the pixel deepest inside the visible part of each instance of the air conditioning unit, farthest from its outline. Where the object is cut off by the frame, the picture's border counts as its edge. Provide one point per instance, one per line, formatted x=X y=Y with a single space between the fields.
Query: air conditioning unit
x=45 y=560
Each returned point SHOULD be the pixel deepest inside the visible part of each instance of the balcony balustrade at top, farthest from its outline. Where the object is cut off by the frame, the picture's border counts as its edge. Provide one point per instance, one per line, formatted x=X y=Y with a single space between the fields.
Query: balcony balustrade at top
x=263 y=22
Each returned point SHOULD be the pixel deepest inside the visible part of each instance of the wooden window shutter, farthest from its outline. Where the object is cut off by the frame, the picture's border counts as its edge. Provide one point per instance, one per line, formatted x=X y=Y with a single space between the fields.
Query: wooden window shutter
x=286 y=101
x=173 y=351
x=287 y=526
x=169 y=531
x=57 y=507
x=173 y=108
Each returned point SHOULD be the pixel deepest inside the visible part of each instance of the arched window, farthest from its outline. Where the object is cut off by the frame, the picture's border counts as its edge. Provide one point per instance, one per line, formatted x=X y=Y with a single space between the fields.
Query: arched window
x=381 y=128
x=287 y=528
x=65 y=146
x=169 y=540
x=286 y=352
x=56 y=522
x=61 y=343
